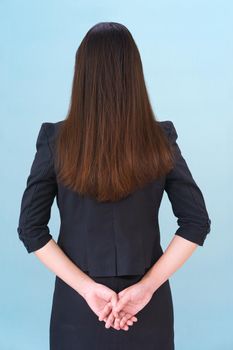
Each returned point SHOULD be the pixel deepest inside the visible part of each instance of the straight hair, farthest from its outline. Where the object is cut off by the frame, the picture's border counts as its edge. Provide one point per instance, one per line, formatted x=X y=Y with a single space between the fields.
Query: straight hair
x=110 y=143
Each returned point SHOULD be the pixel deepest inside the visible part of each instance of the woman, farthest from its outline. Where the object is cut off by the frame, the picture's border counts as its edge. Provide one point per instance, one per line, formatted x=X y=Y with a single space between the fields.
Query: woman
x=108 y=164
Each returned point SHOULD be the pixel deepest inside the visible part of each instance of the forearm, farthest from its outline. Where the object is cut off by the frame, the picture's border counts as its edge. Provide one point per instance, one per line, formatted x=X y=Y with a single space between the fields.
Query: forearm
x=177 y=252
x=53 y=257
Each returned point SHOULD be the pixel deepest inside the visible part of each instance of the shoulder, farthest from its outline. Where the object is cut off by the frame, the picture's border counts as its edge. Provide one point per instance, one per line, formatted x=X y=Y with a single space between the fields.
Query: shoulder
x=46 y=137
x=50 y=129
x=169 y=128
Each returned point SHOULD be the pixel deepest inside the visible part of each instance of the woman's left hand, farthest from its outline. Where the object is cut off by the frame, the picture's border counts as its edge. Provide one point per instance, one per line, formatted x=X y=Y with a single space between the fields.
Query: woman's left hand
x=131 y=300
x=102 y=300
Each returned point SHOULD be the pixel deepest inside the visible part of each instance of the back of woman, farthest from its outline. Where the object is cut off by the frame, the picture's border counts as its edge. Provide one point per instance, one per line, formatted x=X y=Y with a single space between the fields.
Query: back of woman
x=108 y=164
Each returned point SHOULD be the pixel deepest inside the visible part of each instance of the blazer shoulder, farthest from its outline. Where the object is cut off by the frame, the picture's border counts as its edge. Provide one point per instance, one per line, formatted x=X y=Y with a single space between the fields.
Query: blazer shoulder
x=169 y=128
x=51 y=129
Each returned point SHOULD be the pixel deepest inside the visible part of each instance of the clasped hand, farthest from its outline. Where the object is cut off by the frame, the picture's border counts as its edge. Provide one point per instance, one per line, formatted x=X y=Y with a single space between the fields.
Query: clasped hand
x=118 y=310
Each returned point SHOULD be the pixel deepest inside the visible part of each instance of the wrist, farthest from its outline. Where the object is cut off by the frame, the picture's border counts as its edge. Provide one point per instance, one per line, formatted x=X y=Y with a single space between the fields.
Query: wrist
x=148 y=284
x=84 y=285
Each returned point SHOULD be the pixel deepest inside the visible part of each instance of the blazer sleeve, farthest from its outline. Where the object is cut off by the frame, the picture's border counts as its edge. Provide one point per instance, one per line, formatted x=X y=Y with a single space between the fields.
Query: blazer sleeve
x=186 y=198
x=38 y=196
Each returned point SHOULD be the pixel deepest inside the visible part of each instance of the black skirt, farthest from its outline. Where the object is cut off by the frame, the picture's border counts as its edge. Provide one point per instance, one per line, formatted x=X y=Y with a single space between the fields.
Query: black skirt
x=74 y=326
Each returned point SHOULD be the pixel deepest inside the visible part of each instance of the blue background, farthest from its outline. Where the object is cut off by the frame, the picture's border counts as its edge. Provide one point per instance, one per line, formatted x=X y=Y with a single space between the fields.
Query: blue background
x=186 y=50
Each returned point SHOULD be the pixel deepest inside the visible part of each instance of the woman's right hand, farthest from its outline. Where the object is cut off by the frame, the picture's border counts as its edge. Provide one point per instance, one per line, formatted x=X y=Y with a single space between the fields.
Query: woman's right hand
x=131 y=300
x=102 y=300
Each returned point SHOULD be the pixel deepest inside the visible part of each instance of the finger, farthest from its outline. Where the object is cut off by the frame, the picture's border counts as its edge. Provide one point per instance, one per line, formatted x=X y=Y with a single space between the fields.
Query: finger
x=120 y=305
x=105 y=312
x=124 y=319
x=114 y=300
x=127 y=323
x=121 y=315
x=133 y=318
x=131 y=321
x=126 y=327
x=110 y=320
x=116 y=323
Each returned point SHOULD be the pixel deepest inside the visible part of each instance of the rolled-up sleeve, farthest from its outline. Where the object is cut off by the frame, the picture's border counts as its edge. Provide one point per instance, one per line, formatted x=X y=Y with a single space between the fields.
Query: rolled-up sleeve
x=38 y=196
x=186 y=198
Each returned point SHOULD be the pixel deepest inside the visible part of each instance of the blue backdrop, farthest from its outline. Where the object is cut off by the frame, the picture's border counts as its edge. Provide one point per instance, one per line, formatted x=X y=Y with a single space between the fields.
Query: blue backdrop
x=186 y=50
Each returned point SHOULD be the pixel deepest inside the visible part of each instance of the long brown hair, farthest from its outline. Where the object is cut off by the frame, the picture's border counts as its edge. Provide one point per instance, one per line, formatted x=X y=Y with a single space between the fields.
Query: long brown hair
x=110 y=143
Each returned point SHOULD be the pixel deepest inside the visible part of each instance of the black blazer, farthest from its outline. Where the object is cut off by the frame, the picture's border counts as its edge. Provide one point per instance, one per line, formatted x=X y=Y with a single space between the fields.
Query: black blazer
x=111 y=238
